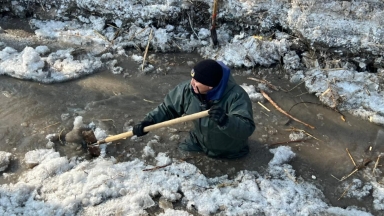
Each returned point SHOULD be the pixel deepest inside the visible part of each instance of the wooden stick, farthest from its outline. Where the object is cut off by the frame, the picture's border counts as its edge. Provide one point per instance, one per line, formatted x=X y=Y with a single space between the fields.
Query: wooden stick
x=296 y=86
x=290 y=176
x=303 y=131
x=350 y=156
x=364 y=163
x=101 y=36
x=335 y=178
x=286 y=142
x=176 y=44
x=157 y=167
x=377 y=162
x=221 y=185
x=182 y=119
x=310 y=135
x=60 y=135
x=346 y=190
x=213 y=26
x=302 y=94
x=148 y=101
x=112 y=26
x=345 y=177
x=263 y=106
x=146 y=50
x=134 y=35
x=265 y=82
x=50 y=125
x=193 y=30
x=284 y=112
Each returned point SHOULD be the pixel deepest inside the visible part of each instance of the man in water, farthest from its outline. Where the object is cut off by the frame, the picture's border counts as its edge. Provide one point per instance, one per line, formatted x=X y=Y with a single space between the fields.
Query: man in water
x=225 y=133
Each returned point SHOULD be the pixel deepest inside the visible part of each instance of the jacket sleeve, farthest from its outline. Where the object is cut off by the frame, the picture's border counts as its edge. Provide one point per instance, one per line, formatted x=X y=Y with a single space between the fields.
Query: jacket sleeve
x=172 y=105
x=240 y=123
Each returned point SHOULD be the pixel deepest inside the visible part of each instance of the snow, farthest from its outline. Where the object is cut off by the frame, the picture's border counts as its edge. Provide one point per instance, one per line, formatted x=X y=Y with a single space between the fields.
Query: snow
x=5 y=158
x=352 y=26
x=57 y=185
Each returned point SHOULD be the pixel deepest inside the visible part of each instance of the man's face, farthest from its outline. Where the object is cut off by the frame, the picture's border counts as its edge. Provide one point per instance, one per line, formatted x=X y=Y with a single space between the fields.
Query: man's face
x=203 y=89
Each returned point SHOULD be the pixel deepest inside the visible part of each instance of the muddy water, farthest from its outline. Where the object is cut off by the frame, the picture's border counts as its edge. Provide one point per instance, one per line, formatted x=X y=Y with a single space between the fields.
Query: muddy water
x=29 y=111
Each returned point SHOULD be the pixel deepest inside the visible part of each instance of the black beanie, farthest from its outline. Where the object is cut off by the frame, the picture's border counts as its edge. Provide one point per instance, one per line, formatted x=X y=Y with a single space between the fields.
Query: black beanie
x=208 y=72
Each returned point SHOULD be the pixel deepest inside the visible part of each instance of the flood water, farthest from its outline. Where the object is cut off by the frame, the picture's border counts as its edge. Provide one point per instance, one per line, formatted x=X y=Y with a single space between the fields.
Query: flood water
x=29 y=111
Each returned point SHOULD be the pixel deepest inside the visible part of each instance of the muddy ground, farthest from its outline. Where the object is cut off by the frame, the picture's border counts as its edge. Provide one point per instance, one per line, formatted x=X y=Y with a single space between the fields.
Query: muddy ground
x=29 y=111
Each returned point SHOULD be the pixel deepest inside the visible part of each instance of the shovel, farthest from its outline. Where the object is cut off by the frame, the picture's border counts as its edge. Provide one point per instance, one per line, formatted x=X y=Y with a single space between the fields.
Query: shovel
x=213 y=24
x=95 y=150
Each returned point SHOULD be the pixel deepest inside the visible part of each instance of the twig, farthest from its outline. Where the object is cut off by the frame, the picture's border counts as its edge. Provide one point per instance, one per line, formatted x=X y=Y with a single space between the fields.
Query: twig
x=148 y=101
x=284 y=112
x=264 y=113
x=50 y=125
x=186 y=158
x=364 y=163
x=157 y=167
x=116 y=34
x=102 y=36
x=107 y=120
x=346 y=190
x=265 y=82
x=286 y=142
x=290 y=176
x=335 y=178
x=263 y=106
x=221 y=185
x=141 y=30
x=326 y=91
x=374 y=168
x=296 y=85
x=345 y=177
x=350 y=156
x=370 y=149
x=177 y=45
x=134 y=35
x=332 y=69
x=303 y=102
x=41 y=6
x=302 y=94
x=113 y=26
x=146 y=50
x=190 y=22
x=303 y=131
x=60 y=135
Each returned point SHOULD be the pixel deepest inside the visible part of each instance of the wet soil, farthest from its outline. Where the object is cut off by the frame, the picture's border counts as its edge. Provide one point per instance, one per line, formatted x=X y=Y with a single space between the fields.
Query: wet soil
x=29 y=111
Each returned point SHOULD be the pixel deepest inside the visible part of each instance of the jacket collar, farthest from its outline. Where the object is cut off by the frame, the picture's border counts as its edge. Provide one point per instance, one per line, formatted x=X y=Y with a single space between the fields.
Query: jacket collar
x=217 y=92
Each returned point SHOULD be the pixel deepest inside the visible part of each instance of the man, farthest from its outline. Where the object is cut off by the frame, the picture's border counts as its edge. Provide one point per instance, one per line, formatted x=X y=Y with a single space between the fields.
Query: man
x=225 y=133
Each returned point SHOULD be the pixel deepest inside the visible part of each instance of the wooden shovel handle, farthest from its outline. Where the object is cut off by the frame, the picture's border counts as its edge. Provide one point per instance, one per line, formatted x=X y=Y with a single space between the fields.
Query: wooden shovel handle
x=214 y=13
x=157 y=126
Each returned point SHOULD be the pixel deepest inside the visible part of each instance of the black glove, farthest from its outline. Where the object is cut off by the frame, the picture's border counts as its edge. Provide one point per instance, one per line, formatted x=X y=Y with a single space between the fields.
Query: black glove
x=218 y=115
x=138 y=129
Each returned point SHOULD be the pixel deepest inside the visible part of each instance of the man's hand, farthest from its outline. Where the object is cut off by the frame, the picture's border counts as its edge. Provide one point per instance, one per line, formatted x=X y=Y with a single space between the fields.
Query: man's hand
x=218 y=115
x=138 y=129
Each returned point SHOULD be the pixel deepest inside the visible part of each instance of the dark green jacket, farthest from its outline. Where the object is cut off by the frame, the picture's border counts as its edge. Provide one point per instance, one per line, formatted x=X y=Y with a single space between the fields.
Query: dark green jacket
x=216 y=141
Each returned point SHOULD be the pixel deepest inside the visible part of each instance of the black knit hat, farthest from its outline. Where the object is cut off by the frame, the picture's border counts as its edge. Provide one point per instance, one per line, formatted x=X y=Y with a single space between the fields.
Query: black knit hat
x=207 y=72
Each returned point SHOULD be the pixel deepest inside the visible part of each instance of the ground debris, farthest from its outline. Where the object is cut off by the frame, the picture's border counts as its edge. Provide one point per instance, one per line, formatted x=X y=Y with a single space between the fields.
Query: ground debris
x=284 y=112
